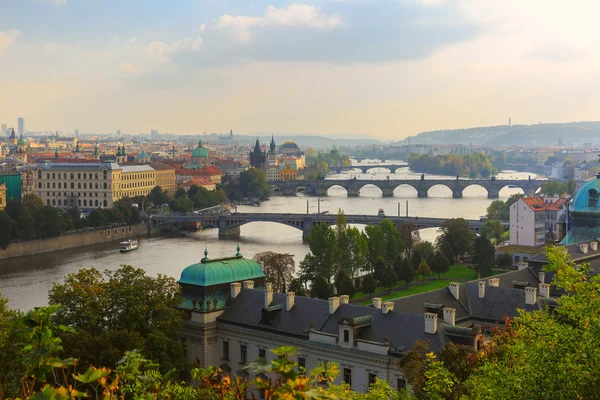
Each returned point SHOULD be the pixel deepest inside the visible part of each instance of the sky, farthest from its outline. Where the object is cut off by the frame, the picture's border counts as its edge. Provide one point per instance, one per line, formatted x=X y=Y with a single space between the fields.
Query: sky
x=383 y=68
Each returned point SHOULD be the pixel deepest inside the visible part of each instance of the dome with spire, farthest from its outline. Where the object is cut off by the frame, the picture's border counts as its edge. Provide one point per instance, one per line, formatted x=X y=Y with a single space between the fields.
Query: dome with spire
x=22 y=142
x=200 y=151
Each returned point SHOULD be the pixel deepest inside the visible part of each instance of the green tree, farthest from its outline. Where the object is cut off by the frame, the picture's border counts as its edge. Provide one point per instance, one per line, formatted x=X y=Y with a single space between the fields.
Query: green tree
x=52 y=223
x=12 y=365
x=423 y=270
x=117 y=311
x=484 y=253
x=158 y=196
x=297 y=287
x=253 y=183
x=393 y=241
x=320 y=261
x=321 y=288
x=456 y=238
x=410 y=237
x=379 y=270
x=571 y=186
x=389 y=278
x=278 y=268
x=425 y=249
x=180 y=193
x=352 y=251
x=504 y=260
x=497 y=211
x=492 y=230
x=7 y=230
x=439 y=263
x=182 y=204
x=405 y=271
x=376 y=244
x=344 y=283
x=369 y=284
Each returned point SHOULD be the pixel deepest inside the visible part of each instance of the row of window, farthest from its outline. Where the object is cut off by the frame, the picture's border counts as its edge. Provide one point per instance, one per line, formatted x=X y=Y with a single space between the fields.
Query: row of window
x=72 y=175
x=71 y=202
x=60 y=185
x=129 y=177
x=58 y=194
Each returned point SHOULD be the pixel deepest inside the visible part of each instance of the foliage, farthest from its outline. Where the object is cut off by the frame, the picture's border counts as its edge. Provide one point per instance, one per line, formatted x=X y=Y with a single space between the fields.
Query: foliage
x=253 y=183
x=369 y=284
x=425 y=249
x=423 y=270
x=320 y=260
x=405 y=272
x=297 y=287
x=456 y=238
x=352 y=251
x=410 y=236
x=499 y=210
x=158 y=196
x=332 y=159
x=321 y=288
x=484 y=253
x=375 y=243
x=389 y=278
x=379 y=270
x=556 y=187
x=492 y=229
x=468 y=165
x=278 y=268
x=439 y=263
x=393 y=241
x=344 y=283
x=118 y=311
x=504 y=260
x=12 y=364
x=182 y=204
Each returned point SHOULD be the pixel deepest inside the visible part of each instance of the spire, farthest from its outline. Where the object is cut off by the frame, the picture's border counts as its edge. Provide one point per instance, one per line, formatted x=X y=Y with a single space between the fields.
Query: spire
x=272 y=146
x=238 y=254
x=199 y=143
x=123 y=151
x=119 y=151
x=231 y=133
x=55 y=154
x=96 y=149
x=205 y=259
x=257 y=146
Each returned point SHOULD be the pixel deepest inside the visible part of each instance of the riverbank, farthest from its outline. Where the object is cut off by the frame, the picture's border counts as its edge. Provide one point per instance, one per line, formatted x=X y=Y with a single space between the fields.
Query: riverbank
x=31 y=247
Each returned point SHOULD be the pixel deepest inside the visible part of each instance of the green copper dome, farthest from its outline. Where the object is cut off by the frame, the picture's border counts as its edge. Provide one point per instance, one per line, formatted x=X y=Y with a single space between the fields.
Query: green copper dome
x=200 y=151
x=143 y=155
x=221 y=271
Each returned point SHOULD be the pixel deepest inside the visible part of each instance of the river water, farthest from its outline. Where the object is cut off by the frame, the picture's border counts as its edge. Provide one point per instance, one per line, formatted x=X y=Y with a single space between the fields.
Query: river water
x=25 y=281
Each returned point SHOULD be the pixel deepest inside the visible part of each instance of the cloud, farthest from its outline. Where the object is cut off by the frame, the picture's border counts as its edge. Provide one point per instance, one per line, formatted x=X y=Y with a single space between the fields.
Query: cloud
x=296 y=15
x=162 y=50
x=132 y=40
x=127 y=68
x=7 y=38
x=557 y=51
x=50 y=48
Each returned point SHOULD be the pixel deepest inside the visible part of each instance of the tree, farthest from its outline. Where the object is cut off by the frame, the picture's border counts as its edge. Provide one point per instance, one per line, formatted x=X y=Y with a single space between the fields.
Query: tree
x=253 y=183
x=297 y=287
x=497 y=211
x=7 y=229
x=484 y=253
x=180 y=193
x=321 y=289
x=52 y=223
x=379 y=270
x=504 y=260
x=182 y=204
x=406 y=272
x=344 y=283
x=423 y=270
x=425 y=249
x=12 y=364
x=369 y=284
x=492 y=230
x=456 y=238
x=117 y=311
x=278 y=267
x=375 y=243
x=352 y=251
x=393 y=241
x=158 y=196
x=416 y=258
x=410 y=237
x=389 y=278
x=439 y=263
x=549 y=238
x=320 y=260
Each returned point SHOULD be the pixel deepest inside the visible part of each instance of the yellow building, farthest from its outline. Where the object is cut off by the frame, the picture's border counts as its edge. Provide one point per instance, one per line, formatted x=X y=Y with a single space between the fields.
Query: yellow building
x=90 y=185
x=287 y=172
x=165 y=178
x=2 y=196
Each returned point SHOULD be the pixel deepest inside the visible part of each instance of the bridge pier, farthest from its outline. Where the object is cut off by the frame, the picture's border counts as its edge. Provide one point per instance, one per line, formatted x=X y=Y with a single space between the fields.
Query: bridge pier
x=229 y=232
x=457 y=194
x=321 y=192
x=387 y=192
x=352 y=192
x=307 y=228
x=493 y=194
x=422 y=193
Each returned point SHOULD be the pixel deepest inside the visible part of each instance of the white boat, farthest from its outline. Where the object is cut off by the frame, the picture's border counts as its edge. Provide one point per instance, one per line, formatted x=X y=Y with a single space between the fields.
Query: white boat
x=128 y=245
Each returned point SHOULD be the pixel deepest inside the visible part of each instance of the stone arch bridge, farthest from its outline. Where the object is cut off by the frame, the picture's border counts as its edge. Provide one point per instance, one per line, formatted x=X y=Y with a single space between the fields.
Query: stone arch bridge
x=229 y=224
x=387 y=186
x=366 y=168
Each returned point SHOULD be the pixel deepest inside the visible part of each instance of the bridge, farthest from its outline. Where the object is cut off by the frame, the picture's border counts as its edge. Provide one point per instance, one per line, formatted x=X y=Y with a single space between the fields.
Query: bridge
x=229 y=224
x=366 y=168
x=387 y=186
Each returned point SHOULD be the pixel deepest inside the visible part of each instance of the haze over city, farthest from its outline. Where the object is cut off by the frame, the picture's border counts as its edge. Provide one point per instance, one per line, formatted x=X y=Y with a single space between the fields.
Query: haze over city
x=386 y=69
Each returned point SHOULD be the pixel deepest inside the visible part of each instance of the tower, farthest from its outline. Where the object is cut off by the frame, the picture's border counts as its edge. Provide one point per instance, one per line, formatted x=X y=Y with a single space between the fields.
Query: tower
x=231 y=135
x=96 y=152
x=21 y=124
x=272 y=146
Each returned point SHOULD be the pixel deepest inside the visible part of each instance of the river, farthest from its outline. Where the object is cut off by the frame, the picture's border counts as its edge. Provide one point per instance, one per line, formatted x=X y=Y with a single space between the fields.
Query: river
x=25 y=281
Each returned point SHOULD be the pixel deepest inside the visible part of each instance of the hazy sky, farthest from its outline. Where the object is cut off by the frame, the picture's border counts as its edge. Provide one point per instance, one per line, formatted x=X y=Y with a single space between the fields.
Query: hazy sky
x=385 y=68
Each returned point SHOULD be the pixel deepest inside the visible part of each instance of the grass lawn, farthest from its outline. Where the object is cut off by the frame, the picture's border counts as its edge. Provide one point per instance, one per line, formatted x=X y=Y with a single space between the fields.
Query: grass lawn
x=459 y=271
x=429 y=285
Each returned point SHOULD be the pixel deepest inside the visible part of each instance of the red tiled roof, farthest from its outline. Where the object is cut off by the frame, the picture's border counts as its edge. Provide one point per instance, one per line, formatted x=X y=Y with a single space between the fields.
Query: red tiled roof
x=538 y=204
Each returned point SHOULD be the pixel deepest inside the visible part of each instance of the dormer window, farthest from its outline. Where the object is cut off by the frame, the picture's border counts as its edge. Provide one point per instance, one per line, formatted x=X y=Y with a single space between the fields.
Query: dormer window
x=346 y=335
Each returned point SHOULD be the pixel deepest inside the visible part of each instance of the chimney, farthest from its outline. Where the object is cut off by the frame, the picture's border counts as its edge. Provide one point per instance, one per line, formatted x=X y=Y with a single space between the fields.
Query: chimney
x=268 y=294
x=377 y=302
x=481 y=289
x=235 y=289
x=583 y=247
x=344 y=299
x=450 y=316
x=387 y=307
x=594 y=246
x=430 y=323
x=495 y=282
x=530 y=295
x=289 y=300
x=544 y=290
x=248 y=284
x=454 y=289
x=334 y=303
x=542 y=276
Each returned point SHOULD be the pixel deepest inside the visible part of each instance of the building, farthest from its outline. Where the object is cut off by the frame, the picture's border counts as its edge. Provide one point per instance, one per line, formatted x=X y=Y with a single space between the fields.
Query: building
x=289 y=148
x=200 y=155
x=558 y=170
x=231 y=168
x=581 y=172
x=21 y=125
x=213 y=174
x=13 y=182
x=21 y=151
x=3 y=130
x=165 y=178
x=142 y=158
x=536 y=220
x=2 y=196
x=584 y=213
x=90 y=185
x=257 y=157
x=287 y=172
x=153 y=133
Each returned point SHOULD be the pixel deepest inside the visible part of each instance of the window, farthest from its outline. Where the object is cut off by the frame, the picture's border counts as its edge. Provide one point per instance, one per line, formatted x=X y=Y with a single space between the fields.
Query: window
x=346 y=335
x=72 y=175
x=53 y=185
x=105 y=204
x=105 y=174
x=39 y=185
x=348 y=376
x=79 y=185
x=72 y=185
x=84 y=185
x=59 y=175
x=96 y=176
x=301 y=364
x=104 y=185
x=96 y=203
x=84 y=177
x=59 y=185
x=400 y=384
x=53 y=175
x=592 y=198
x=372 y=379
x=39 y=174
x=262 y=353
x=243 y=354
x=225 y=348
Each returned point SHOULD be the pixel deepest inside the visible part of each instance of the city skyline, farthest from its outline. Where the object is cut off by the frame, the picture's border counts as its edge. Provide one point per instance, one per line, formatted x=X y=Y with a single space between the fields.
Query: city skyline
x=383 y=68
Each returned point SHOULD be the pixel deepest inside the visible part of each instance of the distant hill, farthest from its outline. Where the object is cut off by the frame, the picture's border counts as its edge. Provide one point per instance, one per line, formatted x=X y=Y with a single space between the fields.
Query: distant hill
x=517 y=135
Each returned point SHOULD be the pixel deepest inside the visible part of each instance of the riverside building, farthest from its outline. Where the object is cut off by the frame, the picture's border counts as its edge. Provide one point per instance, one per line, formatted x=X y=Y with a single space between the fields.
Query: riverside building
x=91 y=185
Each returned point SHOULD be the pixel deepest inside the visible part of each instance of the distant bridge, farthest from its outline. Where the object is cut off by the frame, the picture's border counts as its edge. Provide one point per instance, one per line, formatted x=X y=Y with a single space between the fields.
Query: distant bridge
x=366 y=168
x=387 y=186
x=229 y=225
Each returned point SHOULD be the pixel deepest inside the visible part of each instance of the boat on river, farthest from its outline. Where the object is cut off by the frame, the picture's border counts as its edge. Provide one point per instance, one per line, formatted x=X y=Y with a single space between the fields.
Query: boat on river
x=128 y=245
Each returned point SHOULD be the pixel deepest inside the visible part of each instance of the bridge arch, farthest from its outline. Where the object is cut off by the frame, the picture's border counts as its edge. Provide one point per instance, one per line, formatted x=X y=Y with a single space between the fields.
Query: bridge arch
x=475 y=190
x=507 y=191
x=439 y=190
x=337 y=191
x=405 y=190
x=370 y=190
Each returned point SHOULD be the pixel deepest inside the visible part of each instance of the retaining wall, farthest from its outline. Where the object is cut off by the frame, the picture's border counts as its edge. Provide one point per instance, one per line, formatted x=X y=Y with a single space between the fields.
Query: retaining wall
x=74 y=240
